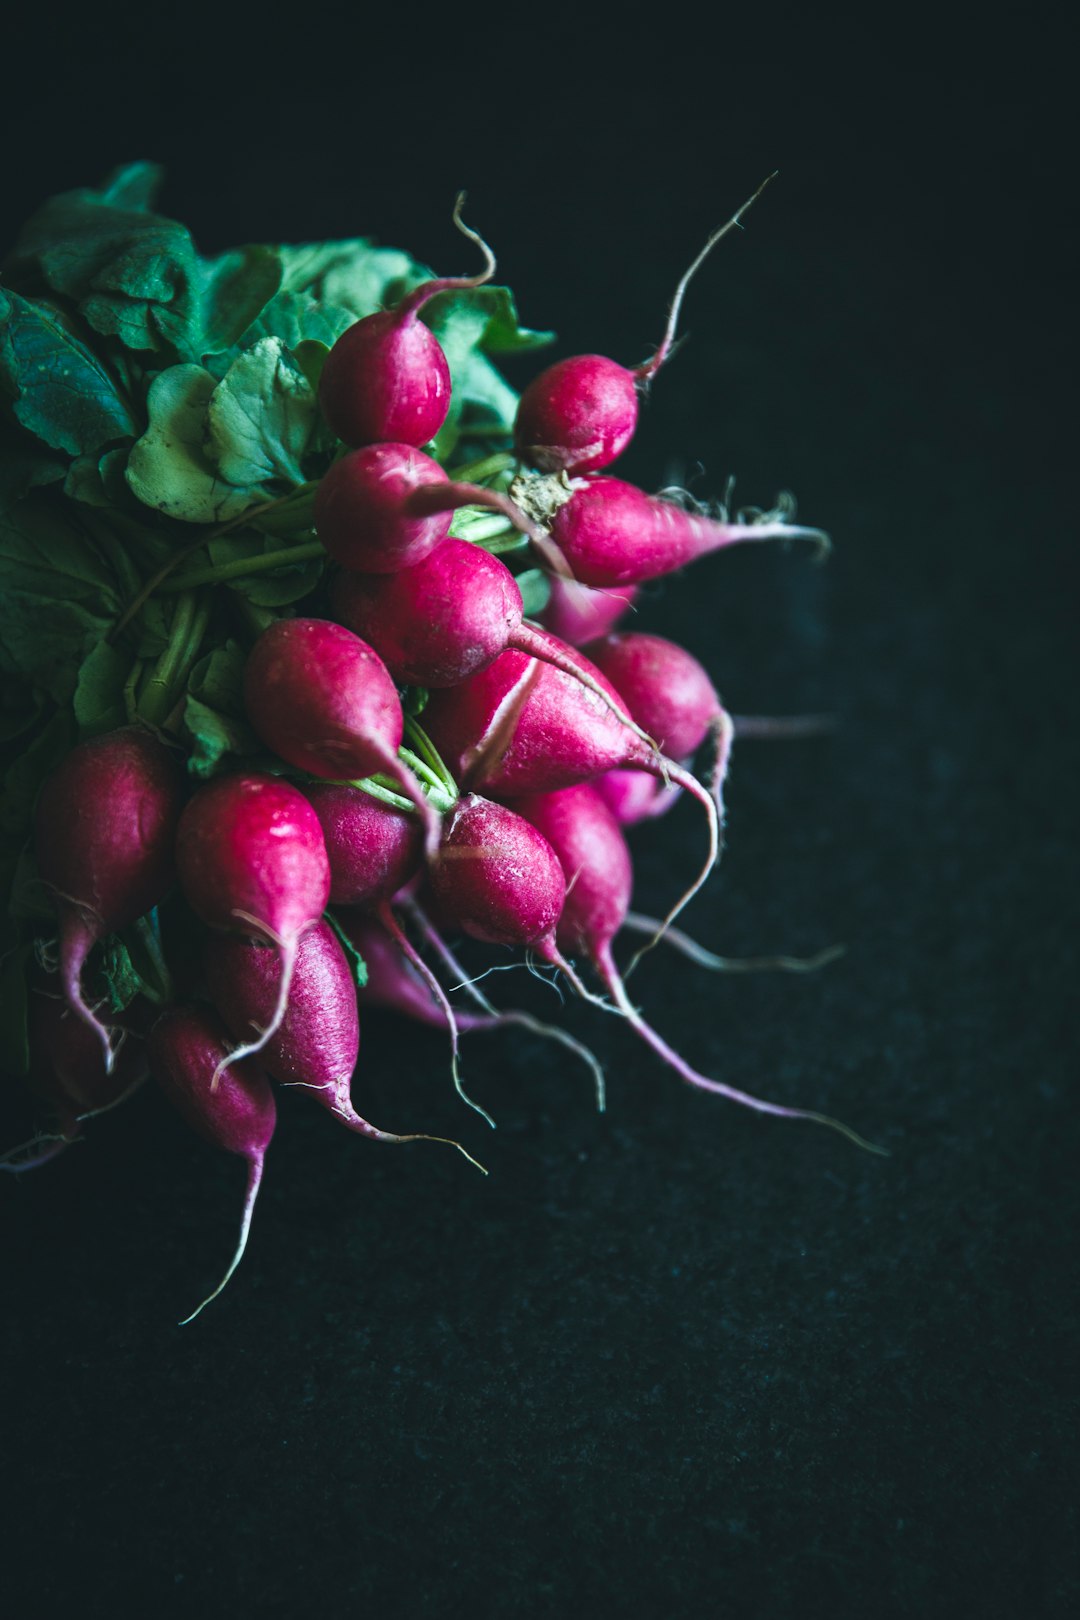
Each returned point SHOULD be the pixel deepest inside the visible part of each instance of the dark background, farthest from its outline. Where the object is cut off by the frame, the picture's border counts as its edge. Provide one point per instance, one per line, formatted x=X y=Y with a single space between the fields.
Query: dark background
x=681 y=1359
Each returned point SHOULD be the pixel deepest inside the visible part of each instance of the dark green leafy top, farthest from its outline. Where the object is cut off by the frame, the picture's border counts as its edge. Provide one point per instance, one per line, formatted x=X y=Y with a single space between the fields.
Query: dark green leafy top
x=160 y=442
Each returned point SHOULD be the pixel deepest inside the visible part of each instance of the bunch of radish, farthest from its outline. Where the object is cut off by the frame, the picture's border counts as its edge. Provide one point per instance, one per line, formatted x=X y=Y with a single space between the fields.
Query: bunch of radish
x=435 y=764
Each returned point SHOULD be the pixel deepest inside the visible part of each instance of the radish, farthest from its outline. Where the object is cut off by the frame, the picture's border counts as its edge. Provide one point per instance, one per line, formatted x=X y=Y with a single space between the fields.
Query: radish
x=68 y=1074
x=323 y=699
x=669 y=693
x=373 y=848
x=67 y=1068
x=252 y=860
x=591 y=849
x=610 y=533
x=445 y=618
x=665 y=688
x=634 y=796
x=104 y=831
x=386 y=377
x=521 y=726
x=361 y=512
x=500 y=881
x=580 y=414
x=577 y=614
x=374 y=851
x=233 y=1107
x=318 y=1041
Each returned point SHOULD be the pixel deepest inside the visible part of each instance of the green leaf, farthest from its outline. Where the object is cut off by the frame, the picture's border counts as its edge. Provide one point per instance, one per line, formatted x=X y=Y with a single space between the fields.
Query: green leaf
x=501 y=332
x=218 y=679
x=233 y=292
x=535 y=587
x=468 y=323
x=98 y=480
x=134 y=274
x=60 y=595
x=133 y=185
x=122 y=981
x=25 y=776
x=214 y=737
x=310 y=356
x=20 y=707
x=26 y=466
x=214 y=716
x=169 y=468
x=298 y=318
x=260 y=417
x=276 y=587
x=99 y=693
x=354 y=274
x=62 y=392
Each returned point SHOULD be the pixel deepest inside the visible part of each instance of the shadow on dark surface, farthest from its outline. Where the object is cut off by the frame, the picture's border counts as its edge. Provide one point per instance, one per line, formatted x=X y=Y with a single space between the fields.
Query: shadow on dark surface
x=677 y=1359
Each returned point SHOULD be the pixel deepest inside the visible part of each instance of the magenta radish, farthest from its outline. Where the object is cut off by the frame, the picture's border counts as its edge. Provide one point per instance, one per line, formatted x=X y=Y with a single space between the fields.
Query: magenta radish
x=452 y=614
x=521 y=726
x=581 y=413
x=386 y=377
x=362 y=511
x=634 y=796
x=317 y=1042
x=231 y=1106
x=500 y=881
x=104 y=831
x=590 y=847
x=68 y=1075
x=609 y=533
x=665 y=687
x=252 y=861
x=373 y=848
x=67 y=1067
x=324 y=701
x=577 y=614
x=374 y=851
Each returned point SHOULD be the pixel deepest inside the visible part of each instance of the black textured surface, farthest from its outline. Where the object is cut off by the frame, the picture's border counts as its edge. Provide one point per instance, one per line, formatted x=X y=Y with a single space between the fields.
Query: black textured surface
x=682 y=1359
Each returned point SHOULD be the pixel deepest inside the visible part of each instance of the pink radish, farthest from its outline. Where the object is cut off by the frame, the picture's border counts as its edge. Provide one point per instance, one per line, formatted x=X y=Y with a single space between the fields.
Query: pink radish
x=323 y=700
x=67 y=1069
x=373 y=848
x=521 y=726
x=386 y=377
x=577 y=614
x=500 y=881
x=374 y=851
x=610 y=533
x=445 y=618
x=317 y=1042
x=580 y=414
x=634 y=796
x=104 y=830
x=596 y=862
x=187 y=1051
x=252 y=861
x=68 y=1075
x=362 y=515
x=666 y=688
